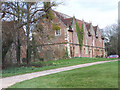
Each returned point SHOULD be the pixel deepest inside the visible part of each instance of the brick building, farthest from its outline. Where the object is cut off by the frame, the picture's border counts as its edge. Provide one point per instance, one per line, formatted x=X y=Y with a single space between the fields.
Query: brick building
x=58 y=44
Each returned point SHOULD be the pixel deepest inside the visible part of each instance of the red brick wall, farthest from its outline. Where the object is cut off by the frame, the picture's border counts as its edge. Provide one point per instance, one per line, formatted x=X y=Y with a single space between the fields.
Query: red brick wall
x=58 y=49
x=51 y=33
x=73 y=44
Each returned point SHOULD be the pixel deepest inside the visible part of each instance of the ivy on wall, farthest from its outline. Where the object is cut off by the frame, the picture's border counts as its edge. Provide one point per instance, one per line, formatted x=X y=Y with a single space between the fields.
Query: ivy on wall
x=80 y=34
x=70 y=27
x=55 y=27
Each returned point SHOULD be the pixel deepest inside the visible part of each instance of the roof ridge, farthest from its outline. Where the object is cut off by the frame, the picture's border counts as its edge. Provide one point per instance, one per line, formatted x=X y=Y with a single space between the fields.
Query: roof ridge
x=62 y=14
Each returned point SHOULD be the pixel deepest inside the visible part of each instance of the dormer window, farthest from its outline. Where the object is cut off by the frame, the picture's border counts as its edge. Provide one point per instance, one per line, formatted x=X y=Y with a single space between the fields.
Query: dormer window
x=70 y=29
x=96 y=36
x=102 y=37
x=89 y=34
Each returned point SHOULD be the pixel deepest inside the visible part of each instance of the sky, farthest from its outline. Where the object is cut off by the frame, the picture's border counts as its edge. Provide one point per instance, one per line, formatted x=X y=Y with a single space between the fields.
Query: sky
x=98 y=12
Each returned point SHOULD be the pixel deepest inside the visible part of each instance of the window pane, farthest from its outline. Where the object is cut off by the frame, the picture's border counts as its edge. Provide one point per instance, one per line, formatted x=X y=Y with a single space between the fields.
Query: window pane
x=57 y=32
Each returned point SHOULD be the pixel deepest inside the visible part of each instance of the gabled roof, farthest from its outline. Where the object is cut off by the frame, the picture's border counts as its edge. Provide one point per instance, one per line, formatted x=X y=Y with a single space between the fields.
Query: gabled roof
x=61 y=15
x=88 y=26
x=68 y=21
x=79 y=22
x=95 y=29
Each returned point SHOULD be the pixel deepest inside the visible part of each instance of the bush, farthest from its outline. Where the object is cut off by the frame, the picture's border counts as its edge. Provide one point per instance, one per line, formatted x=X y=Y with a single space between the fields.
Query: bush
x=41 y=59
x=97 y=56
x=101 y=56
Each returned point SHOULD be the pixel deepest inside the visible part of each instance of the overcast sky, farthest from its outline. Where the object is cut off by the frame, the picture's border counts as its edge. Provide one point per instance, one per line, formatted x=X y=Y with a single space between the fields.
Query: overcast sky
x=99 y=12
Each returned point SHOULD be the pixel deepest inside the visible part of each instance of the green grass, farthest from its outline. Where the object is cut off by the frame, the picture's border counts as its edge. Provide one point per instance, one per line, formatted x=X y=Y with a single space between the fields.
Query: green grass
x=11 y=71
x=96 y=76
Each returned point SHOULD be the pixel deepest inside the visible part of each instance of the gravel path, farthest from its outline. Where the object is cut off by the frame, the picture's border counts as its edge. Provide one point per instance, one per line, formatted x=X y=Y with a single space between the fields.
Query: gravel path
x=8 y=81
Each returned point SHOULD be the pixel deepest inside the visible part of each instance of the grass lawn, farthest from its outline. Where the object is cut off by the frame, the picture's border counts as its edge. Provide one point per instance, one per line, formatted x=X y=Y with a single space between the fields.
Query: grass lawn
x=11 y=71
x=96 y=76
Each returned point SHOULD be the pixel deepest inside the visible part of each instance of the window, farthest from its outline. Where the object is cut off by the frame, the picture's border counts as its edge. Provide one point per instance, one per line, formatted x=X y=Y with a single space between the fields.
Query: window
x=66 y=36
x=86 y=41
x=57 y=32
x=86 y=50
x=99 y=51
x=76 y=49
x=100 y=40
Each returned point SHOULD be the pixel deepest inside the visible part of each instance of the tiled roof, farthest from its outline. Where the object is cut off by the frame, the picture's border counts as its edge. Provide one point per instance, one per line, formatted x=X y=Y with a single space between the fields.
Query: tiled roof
x=87 y=26
x=79 y=22
x=61 y=15
x=95 y=29
x=68 y=21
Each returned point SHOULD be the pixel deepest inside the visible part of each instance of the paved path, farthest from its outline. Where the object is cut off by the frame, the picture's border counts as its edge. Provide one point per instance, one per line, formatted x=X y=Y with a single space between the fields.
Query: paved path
x=8 y=81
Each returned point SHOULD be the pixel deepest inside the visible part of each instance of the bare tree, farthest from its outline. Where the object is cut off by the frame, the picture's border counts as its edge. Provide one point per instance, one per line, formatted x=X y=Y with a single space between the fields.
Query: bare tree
x=111 y=39
x=25 y=14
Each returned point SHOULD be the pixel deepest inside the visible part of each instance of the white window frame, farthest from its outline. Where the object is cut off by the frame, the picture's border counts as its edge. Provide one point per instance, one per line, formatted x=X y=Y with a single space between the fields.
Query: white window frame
x=100 y=40
x=86 y=41
x=59 y=32
x=100 y=51
x=65 y=35
x=76 y=49
x=86 y=50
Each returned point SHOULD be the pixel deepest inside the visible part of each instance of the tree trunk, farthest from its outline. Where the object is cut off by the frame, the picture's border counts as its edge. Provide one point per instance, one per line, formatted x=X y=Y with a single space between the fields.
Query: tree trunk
x=18 y=37
x=80 y=51
x=28 y=32
x=18 y=51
